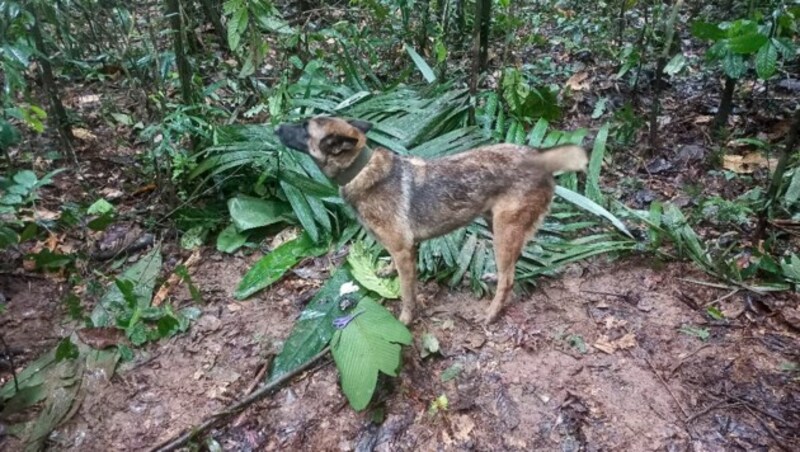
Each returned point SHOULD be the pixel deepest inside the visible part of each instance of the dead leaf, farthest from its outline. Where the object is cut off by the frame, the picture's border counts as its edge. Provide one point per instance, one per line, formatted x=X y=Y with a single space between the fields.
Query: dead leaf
x=102 y=337
x=608 y=346
x=88 y=99
x=703 y=119
x=748 y=163
x=83 y=134
x=110 y=193
x=174 y=279
x=462 y=427
x=579 y=81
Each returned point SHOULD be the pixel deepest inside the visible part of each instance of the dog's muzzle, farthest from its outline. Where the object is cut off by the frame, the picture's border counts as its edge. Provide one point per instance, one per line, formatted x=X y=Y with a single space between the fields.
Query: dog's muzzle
x=294 y=136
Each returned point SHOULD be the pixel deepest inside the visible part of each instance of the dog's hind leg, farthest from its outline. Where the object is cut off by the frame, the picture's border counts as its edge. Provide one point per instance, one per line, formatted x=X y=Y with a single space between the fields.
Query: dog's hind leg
x=514 y=221
x=405 y=260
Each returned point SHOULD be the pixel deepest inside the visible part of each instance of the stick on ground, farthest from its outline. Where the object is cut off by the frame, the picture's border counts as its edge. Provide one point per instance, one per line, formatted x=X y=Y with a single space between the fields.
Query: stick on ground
x=193 y=432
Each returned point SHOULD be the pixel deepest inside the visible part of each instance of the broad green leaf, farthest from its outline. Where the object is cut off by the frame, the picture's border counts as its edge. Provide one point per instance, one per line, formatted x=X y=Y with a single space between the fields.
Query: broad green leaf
x=31 y=376
x=274 y=265
x=747 y=44
x=142 y=275
x=301 y=210
x=707 y=31
x=249 y=213
x=62 y=388
x=26 y=178
x=591 y=207
x=538 y=133
x=236 y=27
x=194 y=237
x=766 y=61
x=369 y=344
x=8 y=237
x=595 y=165
x=430 y=345
x=733 y=65
x=364 y=271
x=230 y=240
x=599 y=107
x=451 y=372
x=423 y=66
x=464 y=258
x=675 y=65
x=791 y=268
x=786 y=47
x=100 y=207
x=793 y=192
x=314 y=328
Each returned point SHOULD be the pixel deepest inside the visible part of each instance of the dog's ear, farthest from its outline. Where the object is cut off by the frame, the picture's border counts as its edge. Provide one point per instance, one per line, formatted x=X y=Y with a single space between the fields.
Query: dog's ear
x=336 y=144
x=363 y=126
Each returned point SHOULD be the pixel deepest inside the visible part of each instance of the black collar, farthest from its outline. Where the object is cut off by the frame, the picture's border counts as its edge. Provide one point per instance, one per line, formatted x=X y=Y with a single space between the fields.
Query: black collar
x=350 y=173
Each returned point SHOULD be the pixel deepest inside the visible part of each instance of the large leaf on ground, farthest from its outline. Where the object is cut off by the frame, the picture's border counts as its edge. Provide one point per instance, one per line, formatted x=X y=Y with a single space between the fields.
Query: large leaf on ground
x=591 y=207
x=364 y=271
x=314 y=329
x=368 y=344
x=143 y=276
x=249 y=213
x=274 y=265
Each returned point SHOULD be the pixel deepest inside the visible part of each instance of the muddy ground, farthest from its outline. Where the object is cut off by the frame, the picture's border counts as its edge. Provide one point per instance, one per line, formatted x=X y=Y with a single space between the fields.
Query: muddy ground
x=593 y=360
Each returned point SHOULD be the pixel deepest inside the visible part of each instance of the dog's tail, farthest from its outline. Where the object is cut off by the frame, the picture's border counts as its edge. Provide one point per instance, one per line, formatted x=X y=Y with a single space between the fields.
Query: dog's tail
x=568 y=157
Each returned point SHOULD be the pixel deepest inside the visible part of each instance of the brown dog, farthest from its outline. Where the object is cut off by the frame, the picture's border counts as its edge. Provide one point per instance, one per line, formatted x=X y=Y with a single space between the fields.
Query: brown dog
x=404 y=200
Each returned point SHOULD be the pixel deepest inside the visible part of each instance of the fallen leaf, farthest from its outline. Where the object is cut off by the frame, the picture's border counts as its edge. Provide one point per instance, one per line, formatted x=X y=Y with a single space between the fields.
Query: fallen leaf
x=748 y=163
x=110 y=193
x=102 y=337
x=703 y=119
x=83 y=134
x=608 y=346
x=88 y=99
x=463 y=426
x=174 y=279
x=579 y=81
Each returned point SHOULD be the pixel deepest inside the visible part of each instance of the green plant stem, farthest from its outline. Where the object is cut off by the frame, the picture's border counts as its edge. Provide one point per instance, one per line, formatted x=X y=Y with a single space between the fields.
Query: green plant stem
x=669 y=31
x=184 y=69
x=725 y=104
x=777 y=178
x=193 y=432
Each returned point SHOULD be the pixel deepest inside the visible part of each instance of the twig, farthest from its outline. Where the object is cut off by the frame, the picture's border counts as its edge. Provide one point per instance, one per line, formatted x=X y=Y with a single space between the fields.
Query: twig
x=253 y=385
x=7 y=352
x=173 y=444
x=766 y=426
x=722 y=298
x=683 y=360
x=711 y=407
x=663 y=382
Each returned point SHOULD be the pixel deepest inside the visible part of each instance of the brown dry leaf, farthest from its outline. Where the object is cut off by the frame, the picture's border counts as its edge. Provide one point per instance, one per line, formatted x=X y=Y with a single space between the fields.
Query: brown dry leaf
x=703 y=119
x=748 y=163
x=174 y=279
x=89 y=99
x=52 y=242
x=83 y=134
x=101 y=338
x=607 y=346
x=579 y=81
x=110 y=193
x=463 y=426
x=284 y=236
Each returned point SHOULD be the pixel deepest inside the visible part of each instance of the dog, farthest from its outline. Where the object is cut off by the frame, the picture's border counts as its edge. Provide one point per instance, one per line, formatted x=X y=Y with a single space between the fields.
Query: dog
x=405 y=200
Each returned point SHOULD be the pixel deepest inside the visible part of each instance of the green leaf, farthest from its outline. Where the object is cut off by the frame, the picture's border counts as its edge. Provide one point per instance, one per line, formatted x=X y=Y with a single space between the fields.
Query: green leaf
x=707 y=31
x=747 y=44
x=194 y=237
x=701 y=333
x=236 y=27
x=793 y=192
x=364 y=271
x=143 y=276
x=733 y=65
x=230 y=240
x=8 y=237
x=26 y=178
x=66 y=350
x=675 y=65
x=249 y=213
x=430 y=345
x=451 y=372
x=9 y=135
x=100 y=207
x=791 y=268
x=369 y=344
x=301 y=210
x=464 y=258
x=599 y=107
x=786 y=47
x=274 y=265
x=715 y=313
x=766 y=61
x=595 y=165
x=314 y=328
x=591 y=207
x=423 y=66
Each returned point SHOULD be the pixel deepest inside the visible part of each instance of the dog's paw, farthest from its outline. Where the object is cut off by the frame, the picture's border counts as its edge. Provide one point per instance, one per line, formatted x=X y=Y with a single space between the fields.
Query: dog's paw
x=489 y=278
x=390 y=271
x=492 y=314
x=406 y=317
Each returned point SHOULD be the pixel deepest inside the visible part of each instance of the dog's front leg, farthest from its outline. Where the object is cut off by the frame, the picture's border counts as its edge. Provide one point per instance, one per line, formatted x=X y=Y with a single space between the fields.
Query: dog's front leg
x=405 y=261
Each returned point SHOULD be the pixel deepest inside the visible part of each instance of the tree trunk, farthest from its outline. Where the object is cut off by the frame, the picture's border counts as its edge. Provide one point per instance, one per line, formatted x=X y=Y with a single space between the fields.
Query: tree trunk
x=476 y=53
x=57 y=109
x=214 y=17
x=773 y=192
x=184 y=69
x=725 y=104
x=669 y=31
x=486 y=25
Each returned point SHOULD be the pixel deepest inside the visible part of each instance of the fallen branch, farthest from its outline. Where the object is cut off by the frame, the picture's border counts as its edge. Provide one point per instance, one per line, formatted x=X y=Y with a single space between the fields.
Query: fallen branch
x=173 y=444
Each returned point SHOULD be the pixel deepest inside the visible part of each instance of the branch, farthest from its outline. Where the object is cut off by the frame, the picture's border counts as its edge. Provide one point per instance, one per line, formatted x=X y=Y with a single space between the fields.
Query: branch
x=174 y=443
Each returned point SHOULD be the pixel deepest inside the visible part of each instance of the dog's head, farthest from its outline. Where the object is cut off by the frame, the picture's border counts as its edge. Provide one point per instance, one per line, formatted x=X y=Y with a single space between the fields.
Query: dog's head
x=334 y=143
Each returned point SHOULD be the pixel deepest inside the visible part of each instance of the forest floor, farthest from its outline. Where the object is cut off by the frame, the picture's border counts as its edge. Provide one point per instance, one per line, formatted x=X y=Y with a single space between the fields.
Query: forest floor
x=611 y=355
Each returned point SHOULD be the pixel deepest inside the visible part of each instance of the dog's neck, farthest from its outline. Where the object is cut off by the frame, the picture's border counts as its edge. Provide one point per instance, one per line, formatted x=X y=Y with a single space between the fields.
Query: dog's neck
x=350 y=173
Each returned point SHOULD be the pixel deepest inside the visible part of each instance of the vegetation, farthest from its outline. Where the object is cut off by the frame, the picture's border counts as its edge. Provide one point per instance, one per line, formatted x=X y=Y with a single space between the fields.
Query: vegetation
x=185 y=96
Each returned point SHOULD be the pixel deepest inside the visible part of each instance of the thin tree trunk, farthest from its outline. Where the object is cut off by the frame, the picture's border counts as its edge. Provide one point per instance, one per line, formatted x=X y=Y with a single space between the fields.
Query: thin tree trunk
x=661 y=63
x=476 y=53
x=214 y=17
x=486 y=25
x=792 y=142
x=725 y=105
x=49 y=84
x=184 y=69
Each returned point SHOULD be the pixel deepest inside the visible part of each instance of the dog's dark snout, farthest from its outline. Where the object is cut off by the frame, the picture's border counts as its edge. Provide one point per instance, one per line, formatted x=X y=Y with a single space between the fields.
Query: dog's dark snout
x=293 y=136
